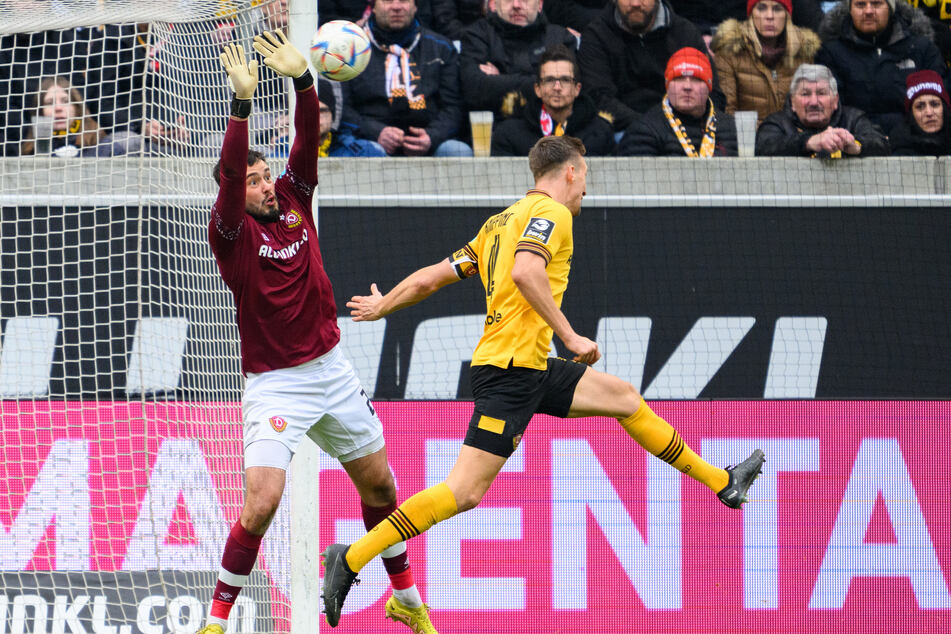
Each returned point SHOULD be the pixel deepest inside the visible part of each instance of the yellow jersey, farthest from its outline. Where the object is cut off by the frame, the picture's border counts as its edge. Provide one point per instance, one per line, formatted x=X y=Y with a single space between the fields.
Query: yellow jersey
x=514 y=333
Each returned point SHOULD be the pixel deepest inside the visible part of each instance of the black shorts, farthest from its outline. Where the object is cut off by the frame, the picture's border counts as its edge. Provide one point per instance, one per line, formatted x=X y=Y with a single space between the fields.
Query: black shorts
x=506 y=399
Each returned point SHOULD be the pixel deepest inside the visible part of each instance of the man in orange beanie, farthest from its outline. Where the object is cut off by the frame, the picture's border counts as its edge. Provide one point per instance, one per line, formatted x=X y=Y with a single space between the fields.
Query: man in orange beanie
x=624 y=51
x=685 y=122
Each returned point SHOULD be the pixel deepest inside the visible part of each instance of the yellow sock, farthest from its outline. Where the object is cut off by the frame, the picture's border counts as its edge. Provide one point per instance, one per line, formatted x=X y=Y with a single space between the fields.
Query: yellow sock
x=414 y=516
x=656 y=435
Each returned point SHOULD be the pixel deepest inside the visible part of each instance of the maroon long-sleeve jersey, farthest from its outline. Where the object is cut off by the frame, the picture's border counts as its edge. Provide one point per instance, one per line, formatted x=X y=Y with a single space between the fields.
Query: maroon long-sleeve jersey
x=285 y=307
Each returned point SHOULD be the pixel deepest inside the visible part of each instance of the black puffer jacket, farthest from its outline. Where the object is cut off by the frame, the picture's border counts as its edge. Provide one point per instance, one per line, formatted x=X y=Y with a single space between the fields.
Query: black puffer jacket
x=513 y=49
x=451 y=17
x=516 y=135
x=783 y=134
x=624 y=73
x=871 y=72
x=435 y=67
x=651 y=134
x=575 y=14
x=908 y=139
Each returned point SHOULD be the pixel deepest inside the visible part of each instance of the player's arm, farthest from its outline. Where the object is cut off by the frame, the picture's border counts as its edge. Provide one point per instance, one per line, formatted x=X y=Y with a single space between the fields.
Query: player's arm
x=413 y=289
x=243 y=78
x=281 y=56
x=530 y=277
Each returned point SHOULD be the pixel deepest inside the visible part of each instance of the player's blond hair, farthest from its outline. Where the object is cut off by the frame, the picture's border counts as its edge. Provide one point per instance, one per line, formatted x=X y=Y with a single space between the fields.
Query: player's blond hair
x=551 y=152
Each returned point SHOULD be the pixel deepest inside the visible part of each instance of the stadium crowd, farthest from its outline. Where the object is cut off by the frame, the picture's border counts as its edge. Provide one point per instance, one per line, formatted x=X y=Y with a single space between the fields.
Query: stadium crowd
x=630 y=77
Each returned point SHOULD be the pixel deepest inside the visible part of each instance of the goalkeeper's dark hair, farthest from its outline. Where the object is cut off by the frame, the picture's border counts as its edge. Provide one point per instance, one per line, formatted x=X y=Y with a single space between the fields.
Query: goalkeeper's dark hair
x=557 y=53
x=551 y=152
x=253 y=157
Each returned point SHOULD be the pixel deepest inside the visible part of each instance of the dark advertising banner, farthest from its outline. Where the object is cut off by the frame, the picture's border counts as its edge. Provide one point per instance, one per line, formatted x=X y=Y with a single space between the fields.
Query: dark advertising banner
x=719 y=303
x=146 y=602
x=710 y=303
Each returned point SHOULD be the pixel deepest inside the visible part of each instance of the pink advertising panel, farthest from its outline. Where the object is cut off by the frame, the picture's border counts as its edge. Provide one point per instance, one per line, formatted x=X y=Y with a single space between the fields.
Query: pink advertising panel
x=849 y=529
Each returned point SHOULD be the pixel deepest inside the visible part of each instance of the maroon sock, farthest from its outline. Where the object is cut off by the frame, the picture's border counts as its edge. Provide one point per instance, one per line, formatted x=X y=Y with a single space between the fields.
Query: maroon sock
x=396 y=567
x=241 y=551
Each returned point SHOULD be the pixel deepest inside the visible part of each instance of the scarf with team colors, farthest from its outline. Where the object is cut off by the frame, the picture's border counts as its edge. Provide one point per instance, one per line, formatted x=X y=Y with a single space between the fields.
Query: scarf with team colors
x=709 y=132
x=548 y=124
x=397 y=76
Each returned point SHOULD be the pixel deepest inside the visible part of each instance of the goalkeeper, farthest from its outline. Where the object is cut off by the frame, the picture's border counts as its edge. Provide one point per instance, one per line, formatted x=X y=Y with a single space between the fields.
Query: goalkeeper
x=523 y=256
x=299 y=383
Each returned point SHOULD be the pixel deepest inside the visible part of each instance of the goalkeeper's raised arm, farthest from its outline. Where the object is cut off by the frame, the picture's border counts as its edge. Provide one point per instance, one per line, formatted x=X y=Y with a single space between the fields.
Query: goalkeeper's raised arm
x=281 y=57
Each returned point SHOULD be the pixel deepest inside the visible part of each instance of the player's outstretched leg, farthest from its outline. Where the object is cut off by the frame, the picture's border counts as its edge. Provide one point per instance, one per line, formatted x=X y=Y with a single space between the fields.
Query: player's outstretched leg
x=338 y=579
x=658 y=437
x=741 y=478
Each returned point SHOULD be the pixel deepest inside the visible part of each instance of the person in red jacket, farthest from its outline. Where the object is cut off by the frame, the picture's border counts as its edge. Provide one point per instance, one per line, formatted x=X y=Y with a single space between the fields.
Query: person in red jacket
x=299 y=383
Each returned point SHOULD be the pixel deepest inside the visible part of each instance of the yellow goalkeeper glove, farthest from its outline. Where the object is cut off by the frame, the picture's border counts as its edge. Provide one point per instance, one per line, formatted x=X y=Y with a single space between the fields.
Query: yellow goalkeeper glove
x=242 y=75
x=279 y=54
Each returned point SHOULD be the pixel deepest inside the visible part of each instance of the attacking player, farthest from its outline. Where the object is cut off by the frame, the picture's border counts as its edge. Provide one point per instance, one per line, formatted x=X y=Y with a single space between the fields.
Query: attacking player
x=299 y=383
x=523 y=256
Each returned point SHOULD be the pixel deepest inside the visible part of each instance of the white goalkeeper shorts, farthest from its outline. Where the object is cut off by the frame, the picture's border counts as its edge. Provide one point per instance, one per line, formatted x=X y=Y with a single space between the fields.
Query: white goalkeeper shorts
x=322 y=399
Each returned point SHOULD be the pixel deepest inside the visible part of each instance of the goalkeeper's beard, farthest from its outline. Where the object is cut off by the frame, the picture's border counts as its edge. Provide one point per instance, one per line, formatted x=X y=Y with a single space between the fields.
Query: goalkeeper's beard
x=265 y=213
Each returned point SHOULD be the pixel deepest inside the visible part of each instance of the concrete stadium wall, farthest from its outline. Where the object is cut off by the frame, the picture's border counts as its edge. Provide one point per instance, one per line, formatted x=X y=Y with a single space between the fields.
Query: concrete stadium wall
x=621 y=182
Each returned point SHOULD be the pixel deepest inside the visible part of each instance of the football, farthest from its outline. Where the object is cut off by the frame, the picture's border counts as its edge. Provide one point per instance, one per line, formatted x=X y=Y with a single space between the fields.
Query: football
x=340 y=50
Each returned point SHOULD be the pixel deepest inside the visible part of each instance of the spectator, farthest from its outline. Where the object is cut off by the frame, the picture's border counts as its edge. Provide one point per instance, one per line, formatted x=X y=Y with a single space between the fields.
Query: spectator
x=755 y=59
x=939 y=12
x=121 y=86
x=872 y=46
x=686 y=118
x=574 y=14
x=407 y=100
x=813 y=123
x=500 y=52
x=624 y=52
x=555 y=108
x=709 y=14
x=451 y=17
x=926 y=130
x=333 y=140
x=359 y=11
x=59 y=123
x=24 y=59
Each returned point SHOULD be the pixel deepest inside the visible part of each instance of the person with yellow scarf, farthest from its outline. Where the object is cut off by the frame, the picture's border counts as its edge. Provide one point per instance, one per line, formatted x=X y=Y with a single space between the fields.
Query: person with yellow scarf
x=685 y=122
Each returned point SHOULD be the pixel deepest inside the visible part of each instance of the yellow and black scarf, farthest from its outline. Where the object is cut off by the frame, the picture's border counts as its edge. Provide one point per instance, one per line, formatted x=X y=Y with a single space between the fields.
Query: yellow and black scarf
x=708 y=144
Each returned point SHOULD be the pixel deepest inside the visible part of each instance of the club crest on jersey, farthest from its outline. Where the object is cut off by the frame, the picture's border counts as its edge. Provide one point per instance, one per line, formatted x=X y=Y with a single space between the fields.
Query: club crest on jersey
x=539 y=229
x=292 y=219
x=278 y=423
x=517 y=439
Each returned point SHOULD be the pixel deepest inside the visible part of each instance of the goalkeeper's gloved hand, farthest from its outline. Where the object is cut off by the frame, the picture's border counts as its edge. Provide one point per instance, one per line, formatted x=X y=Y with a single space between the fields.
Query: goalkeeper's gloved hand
x=242 y=75
x=279 y=54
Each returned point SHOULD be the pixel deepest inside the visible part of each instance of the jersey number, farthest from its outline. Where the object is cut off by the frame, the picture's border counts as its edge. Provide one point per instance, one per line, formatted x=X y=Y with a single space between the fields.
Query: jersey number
x=490 y=274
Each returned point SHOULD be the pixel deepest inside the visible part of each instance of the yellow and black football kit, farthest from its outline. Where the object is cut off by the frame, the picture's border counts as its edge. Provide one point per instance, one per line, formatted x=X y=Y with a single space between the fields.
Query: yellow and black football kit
x=512 y=374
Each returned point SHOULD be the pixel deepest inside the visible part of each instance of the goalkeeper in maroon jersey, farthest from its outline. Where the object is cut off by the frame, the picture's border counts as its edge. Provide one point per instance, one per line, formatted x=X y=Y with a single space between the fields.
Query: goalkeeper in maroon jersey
x=299 y=383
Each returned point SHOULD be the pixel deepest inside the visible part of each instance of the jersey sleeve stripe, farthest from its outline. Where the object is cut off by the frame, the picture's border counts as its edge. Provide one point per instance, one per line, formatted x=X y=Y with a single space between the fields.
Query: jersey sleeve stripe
x=534 y=248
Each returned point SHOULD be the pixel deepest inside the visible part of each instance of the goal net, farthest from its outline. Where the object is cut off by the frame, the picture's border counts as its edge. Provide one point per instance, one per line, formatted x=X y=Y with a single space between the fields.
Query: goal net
x=120 y=384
